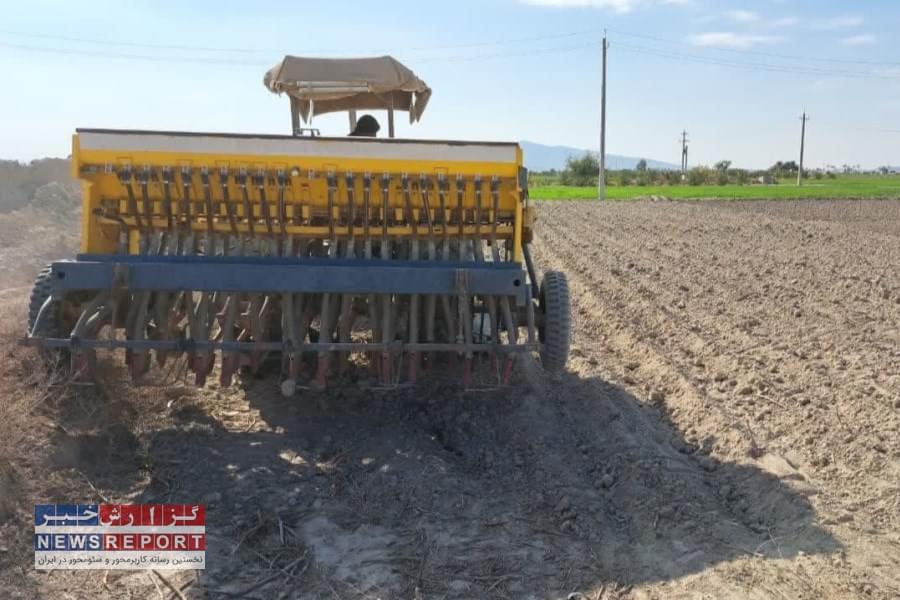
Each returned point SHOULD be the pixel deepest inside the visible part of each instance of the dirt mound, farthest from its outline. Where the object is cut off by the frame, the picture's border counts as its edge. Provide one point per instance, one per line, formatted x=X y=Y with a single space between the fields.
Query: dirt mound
x=44 y=230
x=19 y=181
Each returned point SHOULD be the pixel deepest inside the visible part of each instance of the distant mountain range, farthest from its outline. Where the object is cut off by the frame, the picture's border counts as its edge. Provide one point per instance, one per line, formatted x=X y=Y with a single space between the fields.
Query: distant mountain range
x=539 y=157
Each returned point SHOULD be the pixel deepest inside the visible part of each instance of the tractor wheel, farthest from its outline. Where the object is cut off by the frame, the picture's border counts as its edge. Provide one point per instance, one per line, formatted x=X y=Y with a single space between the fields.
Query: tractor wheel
x=49 y=326
x=555 y=328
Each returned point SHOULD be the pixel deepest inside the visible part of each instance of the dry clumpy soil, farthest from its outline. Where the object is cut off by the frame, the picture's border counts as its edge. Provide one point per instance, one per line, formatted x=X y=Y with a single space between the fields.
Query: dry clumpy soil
x=727 y=428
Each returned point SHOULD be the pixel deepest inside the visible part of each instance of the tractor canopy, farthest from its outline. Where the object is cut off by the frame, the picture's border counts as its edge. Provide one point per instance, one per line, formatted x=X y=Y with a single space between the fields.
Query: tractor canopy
x=323 y=85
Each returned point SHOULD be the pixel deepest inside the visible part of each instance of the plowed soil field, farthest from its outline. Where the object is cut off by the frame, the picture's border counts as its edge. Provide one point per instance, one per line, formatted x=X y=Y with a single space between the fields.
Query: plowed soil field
x=728 y=427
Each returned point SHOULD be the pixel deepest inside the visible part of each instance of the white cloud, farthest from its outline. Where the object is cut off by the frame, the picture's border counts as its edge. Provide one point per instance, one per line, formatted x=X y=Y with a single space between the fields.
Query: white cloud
x=844 y=22
x=619 y=6
x=677 y=2
x=785 y=22
x=863 y=39
x=742 y=16
x=729 y=39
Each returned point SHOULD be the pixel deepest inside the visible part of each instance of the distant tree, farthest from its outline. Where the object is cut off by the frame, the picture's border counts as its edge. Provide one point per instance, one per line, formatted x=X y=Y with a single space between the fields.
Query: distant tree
x=581 y=171
x=723 y=165
x=784 y=169
x=699 y=176
x=642 y=166
x=671 y=177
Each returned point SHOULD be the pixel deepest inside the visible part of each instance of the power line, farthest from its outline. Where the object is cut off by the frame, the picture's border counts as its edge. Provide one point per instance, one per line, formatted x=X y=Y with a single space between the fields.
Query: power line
x=501 y=42
x=662 y=53
x=536 y=51
x=108 y=42
x=141 y=57
x=256 y=63
x=278 y=51
x=755 y=66
x=746 y=51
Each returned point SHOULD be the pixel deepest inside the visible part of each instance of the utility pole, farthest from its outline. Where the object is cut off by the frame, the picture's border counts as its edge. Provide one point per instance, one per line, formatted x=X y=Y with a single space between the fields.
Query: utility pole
x=684 y=154
x=803 y=120
x=602 y=179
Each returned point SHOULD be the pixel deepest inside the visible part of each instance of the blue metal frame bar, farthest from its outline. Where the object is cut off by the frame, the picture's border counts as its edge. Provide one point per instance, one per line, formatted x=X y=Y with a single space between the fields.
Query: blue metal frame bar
x=187 y=345
x=288 y=275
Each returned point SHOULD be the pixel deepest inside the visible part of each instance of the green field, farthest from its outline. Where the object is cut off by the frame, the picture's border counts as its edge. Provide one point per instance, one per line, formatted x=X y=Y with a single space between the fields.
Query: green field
x=847 y=186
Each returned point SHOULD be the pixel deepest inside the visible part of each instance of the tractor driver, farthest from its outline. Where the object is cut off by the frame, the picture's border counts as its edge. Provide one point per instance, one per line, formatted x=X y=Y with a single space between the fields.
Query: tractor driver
x=366 y=126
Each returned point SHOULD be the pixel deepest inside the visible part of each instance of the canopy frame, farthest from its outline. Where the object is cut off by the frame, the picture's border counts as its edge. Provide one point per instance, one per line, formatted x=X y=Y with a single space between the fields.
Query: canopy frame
x=321 y=85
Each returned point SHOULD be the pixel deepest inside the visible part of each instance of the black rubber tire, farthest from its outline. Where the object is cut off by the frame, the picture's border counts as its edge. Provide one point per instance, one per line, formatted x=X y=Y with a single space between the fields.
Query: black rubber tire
x=555 y=329
x=39 y=294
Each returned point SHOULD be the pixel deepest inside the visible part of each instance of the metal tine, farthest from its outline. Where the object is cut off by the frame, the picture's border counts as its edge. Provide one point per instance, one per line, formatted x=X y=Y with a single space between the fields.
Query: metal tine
x=461 y=209
x=186 y=247
x=199 y=317
x=511 y=329
x=167 y=199
x=136 y=319
x=297 y=323
x=210 y=212
x=478 y=245
x=414 y=298
x=167 y=313
x=231 y=361
x=326 y=328
x=125 y=177
x=289 y=331
x=185 y=212
x=281 y=180
x=305 y=305
x=291 y=304
x=430 y=299
x=491 y=301
x=205 y=317
x=138 y=361
x=241 y=179
x=346 y=319
x=89 y=323
x=463 y=300
x=260 y=181
x=147 y=203
x=252 y=327
x=256 y=312
x=387 y=334
x=445 y=254
x=371 y=302
x=141 y=300
x=529 y=316
x=478 y=248
x=160 y=303
x=229 y=207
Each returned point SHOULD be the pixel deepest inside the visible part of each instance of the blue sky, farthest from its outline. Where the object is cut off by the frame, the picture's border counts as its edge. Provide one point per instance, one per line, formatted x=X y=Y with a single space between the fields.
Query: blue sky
x=736 y=74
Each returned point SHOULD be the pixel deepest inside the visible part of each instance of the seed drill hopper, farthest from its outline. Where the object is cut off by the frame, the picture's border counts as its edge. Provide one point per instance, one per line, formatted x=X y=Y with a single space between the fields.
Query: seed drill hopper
x=225 y=251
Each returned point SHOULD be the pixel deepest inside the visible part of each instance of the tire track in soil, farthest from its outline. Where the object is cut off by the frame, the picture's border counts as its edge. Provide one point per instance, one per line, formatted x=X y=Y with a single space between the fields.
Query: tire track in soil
x=623 y=316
